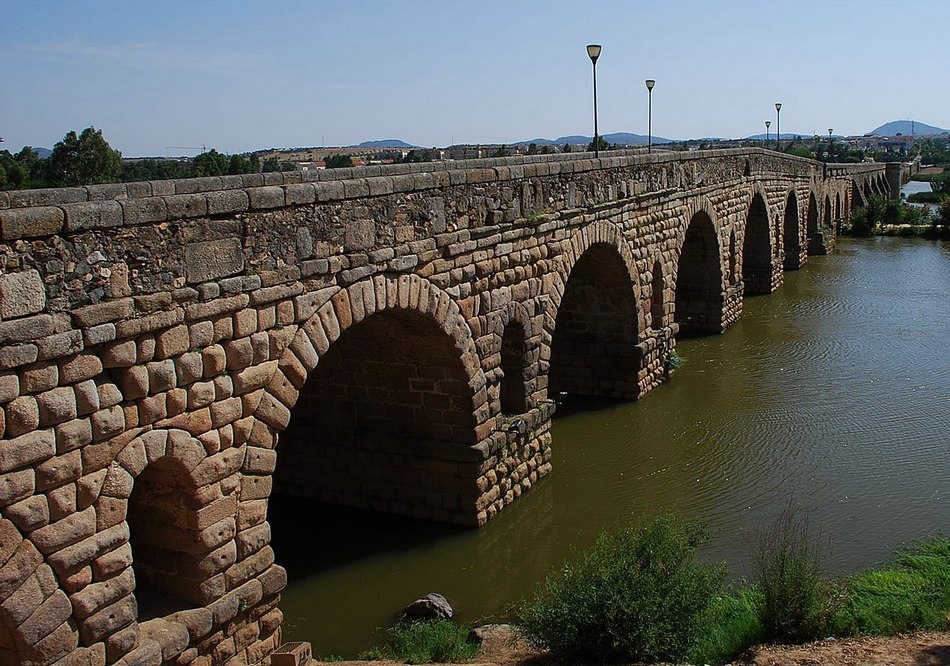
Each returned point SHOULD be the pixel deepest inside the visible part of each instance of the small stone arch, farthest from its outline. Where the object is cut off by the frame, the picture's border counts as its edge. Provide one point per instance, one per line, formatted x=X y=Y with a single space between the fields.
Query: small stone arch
x=857 y=194
x=28 y=584
x=700 y=273
x=828 y=222
x=361 y=354
x=657 y=296
x=791 y=234
x=811 y=216
x=598 y=322
x=516 y=386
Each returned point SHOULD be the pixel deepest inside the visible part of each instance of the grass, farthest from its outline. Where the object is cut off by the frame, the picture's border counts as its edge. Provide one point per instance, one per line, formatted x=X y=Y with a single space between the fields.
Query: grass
x=429 y=641
x=731 y=625
x=910 y=594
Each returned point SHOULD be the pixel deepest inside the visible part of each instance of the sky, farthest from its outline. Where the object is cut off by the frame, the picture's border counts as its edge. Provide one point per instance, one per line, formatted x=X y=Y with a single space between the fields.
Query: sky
x=171 y=77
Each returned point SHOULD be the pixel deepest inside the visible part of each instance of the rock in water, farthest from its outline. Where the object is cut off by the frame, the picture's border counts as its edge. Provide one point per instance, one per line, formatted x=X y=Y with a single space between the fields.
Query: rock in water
x=430 y=607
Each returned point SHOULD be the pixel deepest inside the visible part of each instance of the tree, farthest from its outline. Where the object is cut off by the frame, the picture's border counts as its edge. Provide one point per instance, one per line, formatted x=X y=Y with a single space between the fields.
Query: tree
x=87 y=159
x=532 y=149
x=502 y=151
x=568 y=148
x=210 y=163
x=338 y=161
x=270 y=164
x=942 y=221
x=546 y=149
x=602 y=144
x=239 y=164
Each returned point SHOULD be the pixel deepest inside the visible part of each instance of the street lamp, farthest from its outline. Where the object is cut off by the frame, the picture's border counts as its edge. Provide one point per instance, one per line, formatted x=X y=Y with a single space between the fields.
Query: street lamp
x=593 y=50
x=650 y=84
x=768 y=124
x=778 y=125
x=830 y=130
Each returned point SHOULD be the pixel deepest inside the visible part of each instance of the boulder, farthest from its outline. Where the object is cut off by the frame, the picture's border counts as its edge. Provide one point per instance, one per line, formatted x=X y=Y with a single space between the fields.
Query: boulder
x=430 y=607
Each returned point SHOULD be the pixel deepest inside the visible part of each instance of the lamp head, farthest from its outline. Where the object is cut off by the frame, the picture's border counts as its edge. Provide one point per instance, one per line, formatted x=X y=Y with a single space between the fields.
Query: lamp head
x=778 y=106
x=650 y=84
x=768 y=123
x=830 y=130
x=593 y=50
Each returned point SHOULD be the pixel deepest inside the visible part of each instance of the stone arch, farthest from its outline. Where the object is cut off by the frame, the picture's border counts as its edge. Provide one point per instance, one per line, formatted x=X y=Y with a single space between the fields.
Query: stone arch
x=700 y=275
x=733 y=276
x=857 y=194
x=838 y=213
x=513 y=391
x=597 y=318
x=811 y=217
x=657 y=299
x=35 y=614
x=166 y=543
x=868 y=192
x=791 y=233
x=828 y=222
x=385 y=397
x=757 y=248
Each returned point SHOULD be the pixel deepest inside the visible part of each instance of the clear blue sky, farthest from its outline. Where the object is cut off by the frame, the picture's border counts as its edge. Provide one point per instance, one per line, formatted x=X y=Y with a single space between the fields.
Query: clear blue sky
x=238 y=75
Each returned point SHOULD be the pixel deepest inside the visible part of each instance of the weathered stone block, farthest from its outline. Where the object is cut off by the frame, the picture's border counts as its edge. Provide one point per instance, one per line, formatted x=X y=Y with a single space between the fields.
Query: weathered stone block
x=213 y=259
x=21 y=294
x=26 y=450
x=92 y=215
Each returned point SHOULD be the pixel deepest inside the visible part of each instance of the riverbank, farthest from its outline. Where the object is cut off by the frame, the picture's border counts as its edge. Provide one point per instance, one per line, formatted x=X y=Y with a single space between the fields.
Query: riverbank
x=503 y=647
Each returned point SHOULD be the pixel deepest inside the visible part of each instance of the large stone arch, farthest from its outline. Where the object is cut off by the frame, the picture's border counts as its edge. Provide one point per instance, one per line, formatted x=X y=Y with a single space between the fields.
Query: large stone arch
x=757 y=247
x=36 y=627
x=857 y=193
x=700 y=274
x=417 y=423
x=597 y=317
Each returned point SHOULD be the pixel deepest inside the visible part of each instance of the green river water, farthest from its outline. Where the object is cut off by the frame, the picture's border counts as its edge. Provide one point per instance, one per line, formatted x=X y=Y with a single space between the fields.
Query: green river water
x=833 y=392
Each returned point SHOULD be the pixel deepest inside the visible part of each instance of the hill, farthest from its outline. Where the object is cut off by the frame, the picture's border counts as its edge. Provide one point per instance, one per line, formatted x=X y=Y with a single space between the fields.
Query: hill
x=620 y=138
x=385 y=143
x=915 y=127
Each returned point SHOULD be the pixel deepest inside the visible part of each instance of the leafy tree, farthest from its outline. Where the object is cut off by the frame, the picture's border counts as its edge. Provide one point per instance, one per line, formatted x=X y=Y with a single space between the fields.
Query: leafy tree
x=270 y=164
x=532 y=149
x=86 y=159
x=568 y=148
x=502 y=151
x=602 y=144
x=210 y=163
x=338 y=161
x=238 y=164
x=154 y=170
x=942 y=221
x=420 y=155
x=546 y=149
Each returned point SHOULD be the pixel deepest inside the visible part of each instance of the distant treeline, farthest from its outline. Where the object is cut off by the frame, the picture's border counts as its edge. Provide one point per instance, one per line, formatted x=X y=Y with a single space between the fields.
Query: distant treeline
x=88 y=159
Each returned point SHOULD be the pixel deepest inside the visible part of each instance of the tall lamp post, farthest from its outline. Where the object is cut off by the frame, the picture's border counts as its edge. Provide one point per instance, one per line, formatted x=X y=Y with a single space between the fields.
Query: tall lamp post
x=778 y=126
x=650 y=84
x=593 y=50
x=768 y=124
x=830 y=130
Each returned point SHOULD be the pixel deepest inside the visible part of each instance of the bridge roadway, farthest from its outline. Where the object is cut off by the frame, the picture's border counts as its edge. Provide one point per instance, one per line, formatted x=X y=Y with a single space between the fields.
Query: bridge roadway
x=400 y=329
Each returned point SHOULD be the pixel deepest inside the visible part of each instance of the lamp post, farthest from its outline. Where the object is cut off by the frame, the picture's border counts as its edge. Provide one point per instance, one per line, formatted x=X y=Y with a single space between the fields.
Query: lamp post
x=778 y=125
x=768 y=124
x=650 y=84
x=593 y=50
x=830 y=130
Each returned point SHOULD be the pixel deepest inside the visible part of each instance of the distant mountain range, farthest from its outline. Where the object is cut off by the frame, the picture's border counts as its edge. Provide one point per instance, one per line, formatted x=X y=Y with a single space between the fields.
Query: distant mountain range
x=42 y=153
x=914 y=127
x=788 y=136
x=620 y=138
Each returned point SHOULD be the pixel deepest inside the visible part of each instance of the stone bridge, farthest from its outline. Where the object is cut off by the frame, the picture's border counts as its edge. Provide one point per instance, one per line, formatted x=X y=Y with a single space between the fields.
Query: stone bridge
x=400 y=329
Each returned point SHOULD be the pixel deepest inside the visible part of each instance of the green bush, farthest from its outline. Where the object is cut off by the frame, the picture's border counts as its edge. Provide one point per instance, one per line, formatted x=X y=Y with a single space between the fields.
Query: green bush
x=426 y=642
x=796 y=602
x=639 y=594
x=912 y=594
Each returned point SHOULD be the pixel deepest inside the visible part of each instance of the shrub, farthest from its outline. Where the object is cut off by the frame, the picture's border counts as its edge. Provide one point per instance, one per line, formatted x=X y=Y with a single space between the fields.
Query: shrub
x=426 y=642
x=796 y=603
x=639 y=594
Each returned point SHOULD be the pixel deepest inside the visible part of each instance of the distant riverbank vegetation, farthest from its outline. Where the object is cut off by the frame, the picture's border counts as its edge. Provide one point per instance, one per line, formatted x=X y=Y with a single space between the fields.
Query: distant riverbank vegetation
x=883 y=216
x=88 y=159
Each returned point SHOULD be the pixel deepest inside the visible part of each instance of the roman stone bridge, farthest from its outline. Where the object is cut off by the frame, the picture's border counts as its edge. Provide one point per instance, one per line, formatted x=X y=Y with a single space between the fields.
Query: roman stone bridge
x=400 y=330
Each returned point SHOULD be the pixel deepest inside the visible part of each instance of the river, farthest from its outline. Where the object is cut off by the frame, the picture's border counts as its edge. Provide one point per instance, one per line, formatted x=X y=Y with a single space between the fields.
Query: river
x=833 y=392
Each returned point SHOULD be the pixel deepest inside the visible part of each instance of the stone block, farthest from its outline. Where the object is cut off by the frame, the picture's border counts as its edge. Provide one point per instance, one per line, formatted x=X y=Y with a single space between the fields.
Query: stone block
x=97 y=596
x=21 y=294
x=26 y=450
x=185 y=206
x=262 y=198
x=210 y=260
x=53 y=612
x=102 y=312
x=39 y=377
x=31 y=222
x=227 y=201
x=143 y=210
x=28 y=328
x=56 y=406
x=108 y=620
x=65 y=532
x=22 y=416
x=73 y=435
x=92 y=215
x=29 y=514
x=58 y=470
x=9 y=386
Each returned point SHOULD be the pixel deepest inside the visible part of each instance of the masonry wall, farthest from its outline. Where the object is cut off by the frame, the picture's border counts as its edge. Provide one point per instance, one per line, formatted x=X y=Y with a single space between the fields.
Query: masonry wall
x=160 y=342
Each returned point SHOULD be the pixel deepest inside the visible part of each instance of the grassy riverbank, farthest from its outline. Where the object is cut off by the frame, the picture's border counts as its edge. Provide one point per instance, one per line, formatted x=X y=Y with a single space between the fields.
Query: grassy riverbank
x=641 y=595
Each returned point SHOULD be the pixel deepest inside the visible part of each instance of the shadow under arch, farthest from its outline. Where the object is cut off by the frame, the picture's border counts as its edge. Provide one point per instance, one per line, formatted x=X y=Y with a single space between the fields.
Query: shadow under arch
x=382 y=403
x=597 y=321
x=757 y=249
x=791 y=234
x=699 y=278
